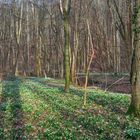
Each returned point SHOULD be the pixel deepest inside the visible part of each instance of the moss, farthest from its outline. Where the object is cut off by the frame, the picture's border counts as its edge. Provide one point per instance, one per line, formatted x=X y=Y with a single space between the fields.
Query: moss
x=133 y=111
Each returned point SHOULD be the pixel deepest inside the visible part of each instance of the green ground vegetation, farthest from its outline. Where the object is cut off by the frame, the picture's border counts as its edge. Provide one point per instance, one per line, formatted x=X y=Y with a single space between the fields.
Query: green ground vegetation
x=31 y=109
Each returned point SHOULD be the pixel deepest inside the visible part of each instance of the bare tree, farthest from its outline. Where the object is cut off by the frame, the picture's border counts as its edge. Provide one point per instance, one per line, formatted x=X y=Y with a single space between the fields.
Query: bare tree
x=65 y=10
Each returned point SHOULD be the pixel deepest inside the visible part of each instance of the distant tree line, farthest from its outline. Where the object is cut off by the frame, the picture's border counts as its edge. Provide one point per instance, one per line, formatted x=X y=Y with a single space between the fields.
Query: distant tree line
x=32 y=37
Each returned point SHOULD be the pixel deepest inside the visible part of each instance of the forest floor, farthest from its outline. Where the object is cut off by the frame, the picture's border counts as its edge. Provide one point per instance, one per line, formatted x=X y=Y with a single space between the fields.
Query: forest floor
x=116 y=84
x=108 y=82
x=31 y=109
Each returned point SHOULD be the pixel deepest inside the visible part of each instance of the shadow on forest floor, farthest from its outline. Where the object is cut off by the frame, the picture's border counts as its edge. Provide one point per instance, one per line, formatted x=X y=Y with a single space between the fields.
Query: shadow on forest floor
x=11 y=103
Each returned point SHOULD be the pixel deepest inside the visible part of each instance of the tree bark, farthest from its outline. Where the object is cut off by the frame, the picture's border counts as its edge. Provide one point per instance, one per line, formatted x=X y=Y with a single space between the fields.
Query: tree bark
x=135 y=69
x=65 y=10
x=66 y=53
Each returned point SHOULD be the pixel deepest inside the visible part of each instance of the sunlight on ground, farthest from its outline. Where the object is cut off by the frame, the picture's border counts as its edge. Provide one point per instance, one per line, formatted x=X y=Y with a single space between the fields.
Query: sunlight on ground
x=29 y=109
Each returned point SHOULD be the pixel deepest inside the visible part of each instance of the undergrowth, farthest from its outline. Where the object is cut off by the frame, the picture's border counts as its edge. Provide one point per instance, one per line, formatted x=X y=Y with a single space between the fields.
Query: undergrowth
x=30 y=109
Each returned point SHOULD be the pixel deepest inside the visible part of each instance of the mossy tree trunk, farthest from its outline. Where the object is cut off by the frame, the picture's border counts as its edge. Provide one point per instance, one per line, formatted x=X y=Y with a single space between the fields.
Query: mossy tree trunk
x=66 y=53
x=134 y=108
x=65 y=10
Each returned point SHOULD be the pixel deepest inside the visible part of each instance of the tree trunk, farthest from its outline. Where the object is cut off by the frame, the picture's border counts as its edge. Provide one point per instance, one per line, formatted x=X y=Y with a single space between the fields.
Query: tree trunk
x=65 y=10
x=135 y=70
x=66 y=53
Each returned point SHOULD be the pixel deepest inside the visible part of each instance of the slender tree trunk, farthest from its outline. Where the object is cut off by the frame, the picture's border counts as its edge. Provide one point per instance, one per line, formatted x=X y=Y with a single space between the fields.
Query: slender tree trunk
x=65 y=10
x=66 y=53
x=89 y=63
x=18 y=31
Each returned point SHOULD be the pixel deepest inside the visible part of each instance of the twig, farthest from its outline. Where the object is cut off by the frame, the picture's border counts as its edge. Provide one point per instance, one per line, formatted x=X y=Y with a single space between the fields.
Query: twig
x=113 y=84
